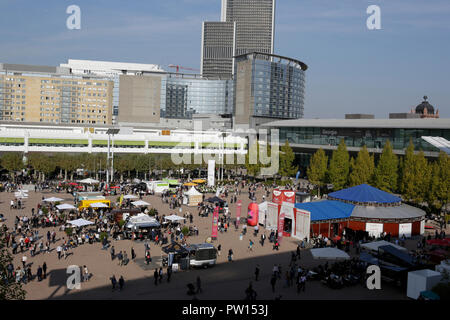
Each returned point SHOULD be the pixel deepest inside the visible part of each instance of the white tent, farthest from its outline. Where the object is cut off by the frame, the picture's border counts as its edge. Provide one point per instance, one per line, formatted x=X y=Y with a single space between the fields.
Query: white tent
x=65 y=206
x=329 y=254
x=80 y=222
x=174 y=217
x=53 y=199
x=89 y=181
x=194 y=197
x=130 y=196
x=373 y=246
x=141 y=221
x=262 y=207
x=98 y=205
x=140 y=203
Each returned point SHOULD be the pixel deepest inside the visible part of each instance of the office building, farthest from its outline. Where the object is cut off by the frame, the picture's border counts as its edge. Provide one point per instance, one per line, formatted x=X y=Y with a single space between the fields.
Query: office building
x=267 y=87
x=245 y=26
x=53 y=95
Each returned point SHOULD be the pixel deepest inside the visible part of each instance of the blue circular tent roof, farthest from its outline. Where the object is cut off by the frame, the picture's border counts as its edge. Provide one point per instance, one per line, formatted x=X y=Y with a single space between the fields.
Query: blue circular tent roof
x=364 y=194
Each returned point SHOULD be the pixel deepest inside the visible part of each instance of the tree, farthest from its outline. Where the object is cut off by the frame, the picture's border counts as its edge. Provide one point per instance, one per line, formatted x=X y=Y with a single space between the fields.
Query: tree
x=339 y=167
x=9 y=289
x=416 y=176
x=386 y=172
x=287 y=158
x=12 y=162
x=43 y=164
x=439 y=189
x=362 y=168
x=318 y=168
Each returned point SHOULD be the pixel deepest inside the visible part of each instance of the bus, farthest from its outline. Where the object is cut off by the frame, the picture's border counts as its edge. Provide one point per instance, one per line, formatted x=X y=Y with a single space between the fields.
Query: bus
x=202 y=255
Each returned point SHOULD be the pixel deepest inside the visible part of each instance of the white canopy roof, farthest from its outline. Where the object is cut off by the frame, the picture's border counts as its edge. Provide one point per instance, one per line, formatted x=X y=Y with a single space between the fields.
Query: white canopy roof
x=65 y=206
x=376 y=244
x=140 y=203
x=80 y=222
x=130 y=196
x=89 y=181
x=193 y=192
x=174 y=217
x=329 y=253
x=141 y=221
x=53 y=199
x=98 y=205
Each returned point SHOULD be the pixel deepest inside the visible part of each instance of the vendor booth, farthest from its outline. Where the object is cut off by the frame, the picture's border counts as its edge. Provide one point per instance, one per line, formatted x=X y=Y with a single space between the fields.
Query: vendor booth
x=142 y=220
x=193 y=197
x=296 y=221
x=262 y=208
x=421 y=280
x=329 y=254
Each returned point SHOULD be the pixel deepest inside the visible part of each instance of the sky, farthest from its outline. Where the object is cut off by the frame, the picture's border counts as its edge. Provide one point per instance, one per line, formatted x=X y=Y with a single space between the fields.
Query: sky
x=351 y=69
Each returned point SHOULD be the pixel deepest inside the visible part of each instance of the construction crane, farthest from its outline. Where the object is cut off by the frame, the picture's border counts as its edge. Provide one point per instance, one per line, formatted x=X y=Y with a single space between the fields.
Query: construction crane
x=178 y=67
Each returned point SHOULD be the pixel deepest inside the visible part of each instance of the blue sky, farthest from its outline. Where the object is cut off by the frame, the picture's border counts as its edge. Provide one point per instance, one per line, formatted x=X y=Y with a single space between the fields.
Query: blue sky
x=351 y=69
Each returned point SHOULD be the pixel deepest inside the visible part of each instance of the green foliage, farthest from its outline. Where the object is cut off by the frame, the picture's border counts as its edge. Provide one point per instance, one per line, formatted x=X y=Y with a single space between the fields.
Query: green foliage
x=185 y=230
x=339 y=167
x=253 y=161
x=416 y=176
x=12 y=162
x=317 y=169
x=153 y=212
x=287 y=157
x=103 y=235
x=68 y=231
x=45 y=210
x=439 y=189
x=121 y=223
x=362 y=168
x=386 y=172
x=9 y=289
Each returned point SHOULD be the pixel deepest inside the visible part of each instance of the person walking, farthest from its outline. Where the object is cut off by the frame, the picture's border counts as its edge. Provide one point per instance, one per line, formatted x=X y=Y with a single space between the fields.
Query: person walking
x=169 y=273
x=160 y=274
x=113 y=282
x=219 y=248
x=24 y=261
x=250 y=245
x=156 y=276
x=44 y=269
x=121 y=283
x=112 y=251
x=39 y=273
x=230 y=255
x=257 y=272
x=273 y=281
x=148 y=257
x=133 y=254
x=85 y=274
x=120 y=258
x=199 y=285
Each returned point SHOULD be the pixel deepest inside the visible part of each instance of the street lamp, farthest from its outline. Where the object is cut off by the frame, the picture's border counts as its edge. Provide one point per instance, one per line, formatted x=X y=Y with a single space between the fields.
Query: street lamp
x=110 y=132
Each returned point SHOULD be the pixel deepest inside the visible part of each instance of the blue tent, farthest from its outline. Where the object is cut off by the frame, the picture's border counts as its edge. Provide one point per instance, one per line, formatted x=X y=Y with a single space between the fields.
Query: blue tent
x=327 y=209
x=364 y=193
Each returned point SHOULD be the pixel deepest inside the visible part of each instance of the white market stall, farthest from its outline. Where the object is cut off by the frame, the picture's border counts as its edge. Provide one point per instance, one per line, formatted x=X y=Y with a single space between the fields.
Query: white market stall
x=329 y=254
x=130 y=196
x=194 y=197
x=80 y=222
x=174 y=218
x=140 y=203
x=421 y=280
x=374 y=245
x=142 y=221
x=65 y=206
x=53 y=199
x=98 y=205
x=89 y=181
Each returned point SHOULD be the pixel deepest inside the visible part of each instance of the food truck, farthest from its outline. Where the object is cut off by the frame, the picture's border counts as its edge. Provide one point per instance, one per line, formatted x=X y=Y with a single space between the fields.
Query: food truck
x=202 y=255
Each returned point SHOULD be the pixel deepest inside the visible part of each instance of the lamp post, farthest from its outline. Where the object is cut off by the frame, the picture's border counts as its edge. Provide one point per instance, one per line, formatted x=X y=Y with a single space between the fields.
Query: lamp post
x=110 y=132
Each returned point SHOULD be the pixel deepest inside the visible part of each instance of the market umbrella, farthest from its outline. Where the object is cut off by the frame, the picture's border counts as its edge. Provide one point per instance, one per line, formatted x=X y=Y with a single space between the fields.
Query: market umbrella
x=65 y=206
x=89 y=181
x=130 y=196
x=190 y=184
x=53 y=199
x=140 y=203
x=98 y=205
x=73 y=184
x=174 y=217
x=329 y=254
x=80 y=222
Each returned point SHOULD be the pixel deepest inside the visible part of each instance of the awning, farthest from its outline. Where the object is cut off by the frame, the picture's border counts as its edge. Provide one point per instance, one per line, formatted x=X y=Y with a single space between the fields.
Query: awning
x=98 y=205
x=130 y=196
x=53 y=199
x=329 y=254
x=174 y=217
x=140 y=203
x=374 y=245
x=80 y=222
x=65 y=206
x=327 y=209
x=89 y=181
x=142 y=221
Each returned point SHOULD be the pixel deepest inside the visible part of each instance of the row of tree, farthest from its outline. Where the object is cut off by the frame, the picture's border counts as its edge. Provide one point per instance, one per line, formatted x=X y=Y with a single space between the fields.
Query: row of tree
x=413 y=176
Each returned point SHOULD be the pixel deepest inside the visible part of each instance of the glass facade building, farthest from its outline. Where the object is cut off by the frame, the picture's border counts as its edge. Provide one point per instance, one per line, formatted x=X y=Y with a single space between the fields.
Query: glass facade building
x=182 y=97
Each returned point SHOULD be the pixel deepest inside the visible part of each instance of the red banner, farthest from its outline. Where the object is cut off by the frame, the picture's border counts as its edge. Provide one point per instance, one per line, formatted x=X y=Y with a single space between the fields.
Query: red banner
x=280 y=226
x=288 y=196
x=238 y=212
x=215 y=223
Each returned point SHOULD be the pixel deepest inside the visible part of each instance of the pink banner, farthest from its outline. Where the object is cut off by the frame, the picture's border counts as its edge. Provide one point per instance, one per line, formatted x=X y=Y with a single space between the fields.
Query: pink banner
x=280 y=226
x=215 y=223
x=238 y=212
